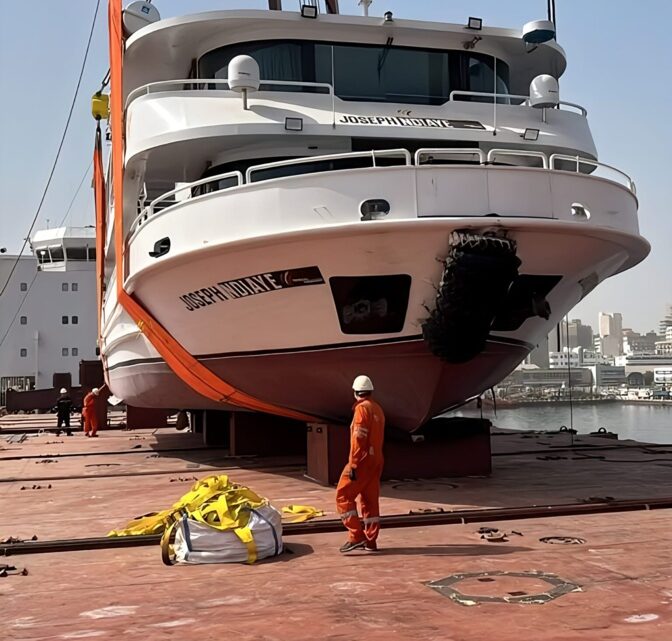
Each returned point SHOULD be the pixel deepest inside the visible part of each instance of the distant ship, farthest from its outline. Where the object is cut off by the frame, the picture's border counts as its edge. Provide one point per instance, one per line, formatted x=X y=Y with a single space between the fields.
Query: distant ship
x=295 y=200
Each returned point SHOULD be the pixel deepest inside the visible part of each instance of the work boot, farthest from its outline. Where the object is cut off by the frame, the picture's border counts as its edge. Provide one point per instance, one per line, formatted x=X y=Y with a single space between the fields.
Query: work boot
x=351 y=545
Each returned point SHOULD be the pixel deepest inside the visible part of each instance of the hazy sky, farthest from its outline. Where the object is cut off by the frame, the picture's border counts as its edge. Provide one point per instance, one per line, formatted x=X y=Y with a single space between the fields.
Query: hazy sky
x=618 y=68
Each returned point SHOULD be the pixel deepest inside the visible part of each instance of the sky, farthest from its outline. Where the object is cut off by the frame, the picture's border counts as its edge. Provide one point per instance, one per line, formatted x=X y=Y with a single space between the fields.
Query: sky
x=618 y=68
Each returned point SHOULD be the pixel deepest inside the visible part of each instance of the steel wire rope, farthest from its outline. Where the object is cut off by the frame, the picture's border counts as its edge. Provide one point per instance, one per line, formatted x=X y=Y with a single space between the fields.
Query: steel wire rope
x=569 y=381
x=72 y=202
x=58 y=152
x=18 y=310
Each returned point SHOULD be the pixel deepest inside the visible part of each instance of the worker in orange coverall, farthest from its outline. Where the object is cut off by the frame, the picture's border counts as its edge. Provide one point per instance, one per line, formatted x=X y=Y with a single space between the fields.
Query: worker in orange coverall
x=361 y=476
x=90 y=414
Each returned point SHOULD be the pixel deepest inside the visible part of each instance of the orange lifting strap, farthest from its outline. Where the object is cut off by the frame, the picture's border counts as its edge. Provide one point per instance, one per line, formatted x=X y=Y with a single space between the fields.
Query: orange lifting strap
x=189 y=369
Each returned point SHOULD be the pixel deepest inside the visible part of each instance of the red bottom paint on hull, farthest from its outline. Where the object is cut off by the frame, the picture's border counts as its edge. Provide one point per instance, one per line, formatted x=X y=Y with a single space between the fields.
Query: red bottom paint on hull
x=411 y=383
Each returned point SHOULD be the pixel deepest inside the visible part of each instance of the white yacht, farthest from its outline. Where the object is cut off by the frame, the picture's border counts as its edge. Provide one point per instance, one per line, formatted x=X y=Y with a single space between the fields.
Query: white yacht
x=305 y=199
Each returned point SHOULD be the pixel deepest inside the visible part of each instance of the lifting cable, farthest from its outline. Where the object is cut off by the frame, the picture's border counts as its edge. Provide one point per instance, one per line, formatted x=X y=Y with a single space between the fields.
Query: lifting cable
x=58 y=152
x=72 y=202
x=18 y=310
x=569 y=381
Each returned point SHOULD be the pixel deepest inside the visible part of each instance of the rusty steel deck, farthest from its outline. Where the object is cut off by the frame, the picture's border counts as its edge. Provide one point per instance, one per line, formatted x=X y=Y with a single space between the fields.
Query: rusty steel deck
x=608 y=576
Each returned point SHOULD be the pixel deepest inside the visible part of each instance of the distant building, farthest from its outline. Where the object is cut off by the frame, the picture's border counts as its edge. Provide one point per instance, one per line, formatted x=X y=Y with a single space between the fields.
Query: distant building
x=643 y=363
x=48 y=316
x=577 y=357
x=564 y=359
x=549 y=378
x=663 y=376
x=572 y=334
x=666 y=322
x=611 y=334
x=664 y=347
x=634 y=343
x=607 y=375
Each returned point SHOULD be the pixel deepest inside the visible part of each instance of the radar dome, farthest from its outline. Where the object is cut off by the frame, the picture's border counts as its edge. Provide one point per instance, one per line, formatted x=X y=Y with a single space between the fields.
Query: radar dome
x=544 y=92
x=138 y=15
x=538 y=32
x=243 y=74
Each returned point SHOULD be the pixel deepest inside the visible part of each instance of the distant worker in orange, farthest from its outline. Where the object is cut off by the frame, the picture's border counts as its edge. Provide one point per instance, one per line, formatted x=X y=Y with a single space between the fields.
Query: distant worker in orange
x=90 y=413
x=361 y=476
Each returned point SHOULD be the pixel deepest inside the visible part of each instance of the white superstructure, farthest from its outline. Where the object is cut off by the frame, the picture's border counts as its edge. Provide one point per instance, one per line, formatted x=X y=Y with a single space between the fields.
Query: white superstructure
x=302 y=229
x=48 y=310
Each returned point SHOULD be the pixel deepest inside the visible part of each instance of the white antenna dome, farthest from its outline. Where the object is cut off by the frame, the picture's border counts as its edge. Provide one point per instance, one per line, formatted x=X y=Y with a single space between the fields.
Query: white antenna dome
x=138 y=15
x=538 y=32
x=243 y=74
x=544 y=92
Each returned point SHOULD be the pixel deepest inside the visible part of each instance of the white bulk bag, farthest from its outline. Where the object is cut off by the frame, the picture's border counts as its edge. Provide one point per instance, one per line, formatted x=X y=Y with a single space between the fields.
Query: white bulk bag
x=198 y=542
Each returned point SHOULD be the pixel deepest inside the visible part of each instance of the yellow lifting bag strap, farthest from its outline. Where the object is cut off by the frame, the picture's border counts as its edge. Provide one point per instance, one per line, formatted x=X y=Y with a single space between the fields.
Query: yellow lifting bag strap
x=215 y=521
x=301 y=513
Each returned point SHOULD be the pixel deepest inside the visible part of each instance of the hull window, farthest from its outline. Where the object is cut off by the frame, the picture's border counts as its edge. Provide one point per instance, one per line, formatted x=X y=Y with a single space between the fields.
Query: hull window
x=371 y=304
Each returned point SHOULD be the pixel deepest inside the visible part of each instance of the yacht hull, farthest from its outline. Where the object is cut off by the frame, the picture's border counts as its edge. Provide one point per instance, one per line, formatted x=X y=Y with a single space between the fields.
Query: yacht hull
x=286 y=344
x=412 y=384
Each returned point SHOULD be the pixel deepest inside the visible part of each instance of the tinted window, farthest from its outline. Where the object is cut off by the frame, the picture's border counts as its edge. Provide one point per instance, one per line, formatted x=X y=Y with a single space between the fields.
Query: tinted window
x=56 y=254
x=371 y=304
x=64 y=320
x=391 y=74
x=23 y=287
x=23 y=352
x=24 y=320
x=375 y=73
x=76 y=253
x=64 y=287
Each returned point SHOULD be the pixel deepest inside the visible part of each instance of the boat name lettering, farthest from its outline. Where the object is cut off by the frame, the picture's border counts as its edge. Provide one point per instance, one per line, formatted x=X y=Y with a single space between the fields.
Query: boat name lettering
x=250 y=285
x=404 y=121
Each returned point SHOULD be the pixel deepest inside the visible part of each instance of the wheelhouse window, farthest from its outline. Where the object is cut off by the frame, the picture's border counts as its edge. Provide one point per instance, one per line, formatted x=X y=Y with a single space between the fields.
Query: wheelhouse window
x=76 y=253
x=372 y=73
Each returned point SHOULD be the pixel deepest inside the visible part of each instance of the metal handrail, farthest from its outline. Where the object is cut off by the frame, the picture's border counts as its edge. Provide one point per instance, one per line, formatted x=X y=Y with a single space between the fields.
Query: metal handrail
x=461 y=151
x=525 y=99
x=484 y=94
x=518 y=152
x=578 y=161
x=373 y=154
x=150 y=210
x=150 y=87
x=197 y=183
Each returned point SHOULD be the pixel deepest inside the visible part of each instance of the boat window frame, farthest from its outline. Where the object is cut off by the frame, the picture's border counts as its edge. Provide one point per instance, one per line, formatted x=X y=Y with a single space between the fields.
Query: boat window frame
x=457 y=65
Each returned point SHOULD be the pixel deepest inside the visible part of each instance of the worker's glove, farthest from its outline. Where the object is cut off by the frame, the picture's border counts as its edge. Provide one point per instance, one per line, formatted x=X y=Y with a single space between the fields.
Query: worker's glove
x=352 y=474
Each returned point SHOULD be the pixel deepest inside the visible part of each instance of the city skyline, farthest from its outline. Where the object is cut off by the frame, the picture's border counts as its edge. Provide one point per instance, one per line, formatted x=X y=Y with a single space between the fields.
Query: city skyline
x=594 y=324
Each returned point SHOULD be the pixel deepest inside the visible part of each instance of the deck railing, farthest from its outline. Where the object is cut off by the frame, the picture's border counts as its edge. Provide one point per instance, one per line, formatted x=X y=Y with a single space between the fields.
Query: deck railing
x=514 y=99
x=461 y=155
x=160 y=203
x=613 y=174
x=373 y=154
x=218 y=84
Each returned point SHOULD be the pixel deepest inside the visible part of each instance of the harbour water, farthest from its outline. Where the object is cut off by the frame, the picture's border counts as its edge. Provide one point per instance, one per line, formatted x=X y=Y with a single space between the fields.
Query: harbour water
x=649 y=423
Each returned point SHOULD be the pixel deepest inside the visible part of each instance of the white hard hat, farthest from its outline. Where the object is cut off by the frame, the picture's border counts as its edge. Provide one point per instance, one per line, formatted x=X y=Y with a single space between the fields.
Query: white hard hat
x=362 y=384
x=95 y=390
x=63 y=391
